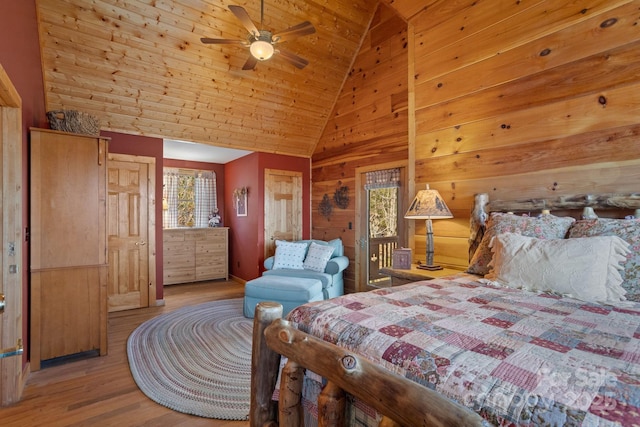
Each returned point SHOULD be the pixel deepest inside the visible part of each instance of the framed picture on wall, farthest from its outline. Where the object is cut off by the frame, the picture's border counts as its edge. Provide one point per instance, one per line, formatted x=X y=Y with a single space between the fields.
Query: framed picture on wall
x=241 y=204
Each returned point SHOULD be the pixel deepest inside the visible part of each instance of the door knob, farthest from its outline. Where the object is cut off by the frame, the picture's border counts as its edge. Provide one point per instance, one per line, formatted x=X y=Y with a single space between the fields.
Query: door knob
x=141 y=243
x=1 y=303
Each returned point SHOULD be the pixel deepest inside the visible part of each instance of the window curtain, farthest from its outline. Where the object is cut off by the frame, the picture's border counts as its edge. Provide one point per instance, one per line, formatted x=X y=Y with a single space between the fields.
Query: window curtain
x=205 y=197
x=388 y=178
x=170 y=194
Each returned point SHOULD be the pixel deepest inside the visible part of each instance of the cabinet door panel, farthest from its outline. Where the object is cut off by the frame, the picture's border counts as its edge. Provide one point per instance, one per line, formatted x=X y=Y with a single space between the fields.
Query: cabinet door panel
x=68 y=200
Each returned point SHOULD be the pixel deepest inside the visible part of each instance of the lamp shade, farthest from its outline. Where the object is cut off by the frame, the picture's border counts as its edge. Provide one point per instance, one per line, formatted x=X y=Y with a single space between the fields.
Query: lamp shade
x=428 y=204
x=261 y=50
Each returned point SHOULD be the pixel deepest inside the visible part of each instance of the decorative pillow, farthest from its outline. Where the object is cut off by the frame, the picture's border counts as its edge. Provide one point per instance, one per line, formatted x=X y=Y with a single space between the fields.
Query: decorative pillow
x=317 y=257
x=629 y=231
x=543 y=227
x=587 y=269
x=289 y=254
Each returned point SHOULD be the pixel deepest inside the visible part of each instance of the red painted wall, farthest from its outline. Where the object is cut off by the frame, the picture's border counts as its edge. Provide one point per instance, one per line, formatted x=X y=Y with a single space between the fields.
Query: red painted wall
x=246 y=247
x=243 y=243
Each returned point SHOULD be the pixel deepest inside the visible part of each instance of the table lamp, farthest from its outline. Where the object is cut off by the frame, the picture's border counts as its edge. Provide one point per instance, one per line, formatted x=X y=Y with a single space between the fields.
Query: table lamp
x=428 y=204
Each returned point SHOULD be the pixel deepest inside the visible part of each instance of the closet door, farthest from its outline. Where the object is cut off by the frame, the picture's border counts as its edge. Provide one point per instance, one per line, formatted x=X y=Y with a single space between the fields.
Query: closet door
x=68 y=245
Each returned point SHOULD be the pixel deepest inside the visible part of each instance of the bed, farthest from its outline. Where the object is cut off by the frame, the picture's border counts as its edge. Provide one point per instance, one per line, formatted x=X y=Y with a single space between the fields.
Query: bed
x=542 y=329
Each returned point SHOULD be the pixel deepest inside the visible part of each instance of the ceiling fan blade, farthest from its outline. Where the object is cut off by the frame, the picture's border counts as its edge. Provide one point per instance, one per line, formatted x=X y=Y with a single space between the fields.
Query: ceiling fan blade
x=250 y=64
x=301 y=29
x=243 y=16
x=294 y=59
x=208 y=40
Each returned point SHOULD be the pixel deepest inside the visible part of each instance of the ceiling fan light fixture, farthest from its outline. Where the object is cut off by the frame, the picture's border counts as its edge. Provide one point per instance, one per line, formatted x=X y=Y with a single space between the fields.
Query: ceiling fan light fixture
x=261 y=50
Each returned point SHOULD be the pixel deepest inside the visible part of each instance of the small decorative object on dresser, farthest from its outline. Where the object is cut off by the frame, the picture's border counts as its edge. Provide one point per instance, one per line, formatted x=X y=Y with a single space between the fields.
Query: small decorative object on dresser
x=401 y=259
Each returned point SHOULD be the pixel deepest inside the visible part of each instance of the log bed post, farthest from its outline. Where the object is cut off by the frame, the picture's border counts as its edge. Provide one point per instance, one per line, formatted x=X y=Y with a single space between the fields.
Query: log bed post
x=290 y=403
x=478 y=222
x=265 y=364
x=332 y=404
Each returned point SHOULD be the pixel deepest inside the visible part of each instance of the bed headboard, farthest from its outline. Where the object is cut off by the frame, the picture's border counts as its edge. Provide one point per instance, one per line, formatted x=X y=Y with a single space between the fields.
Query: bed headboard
x=582 y=205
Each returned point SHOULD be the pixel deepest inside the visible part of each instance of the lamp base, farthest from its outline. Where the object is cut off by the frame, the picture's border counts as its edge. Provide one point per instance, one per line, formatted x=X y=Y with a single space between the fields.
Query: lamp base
x=429 y=267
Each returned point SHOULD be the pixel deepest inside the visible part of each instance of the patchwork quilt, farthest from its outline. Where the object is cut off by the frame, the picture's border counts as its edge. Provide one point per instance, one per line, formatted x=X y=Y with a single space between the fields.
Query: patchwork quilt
x=517 y=358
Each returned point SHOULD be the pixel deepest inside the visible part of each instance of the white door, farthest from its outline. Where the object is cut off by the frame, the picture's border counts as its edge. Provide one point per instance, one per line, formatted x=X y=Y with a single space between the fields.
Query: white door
x=282 y=207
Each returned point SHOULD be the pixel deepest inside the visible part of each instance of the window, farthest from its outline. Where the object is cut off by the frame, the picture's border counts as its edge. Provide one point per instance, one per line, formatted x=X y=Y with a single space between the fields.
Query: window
x=189 y=198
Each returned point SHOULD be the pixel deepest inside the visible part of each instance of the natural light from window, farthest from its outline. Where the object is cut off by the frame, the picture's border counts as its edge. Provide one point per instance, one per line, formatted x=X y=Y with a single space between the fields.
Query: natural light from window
x=189 y=198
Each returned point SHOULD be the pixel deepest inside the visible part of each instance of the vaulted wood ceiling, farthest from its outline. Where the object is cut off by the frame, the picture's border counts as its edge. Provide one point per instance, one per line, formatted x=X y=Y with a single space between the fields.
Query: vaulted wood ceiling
x=139 y=66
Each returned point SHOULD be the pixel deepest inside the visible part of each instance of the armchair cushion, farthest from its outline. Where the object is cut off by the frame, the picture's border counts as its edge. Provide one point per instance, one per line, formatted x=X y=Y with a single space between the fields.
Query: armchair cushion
x=317 y=257
x=324 y=278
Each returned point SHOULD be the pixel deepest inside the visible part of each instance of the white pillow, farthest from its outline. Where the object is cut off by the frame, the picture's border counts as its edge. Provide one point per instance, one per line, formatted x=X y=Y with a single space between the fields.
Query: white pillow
x=289 y=254
x=317 y=257
x=585 y=268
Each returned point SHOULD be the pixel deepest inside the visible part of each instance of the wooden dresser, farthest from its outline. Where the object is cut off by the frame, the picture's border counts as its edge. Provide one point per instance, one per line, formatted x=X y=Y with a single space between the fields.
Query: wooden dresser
x=68 y=239
x=195 y=254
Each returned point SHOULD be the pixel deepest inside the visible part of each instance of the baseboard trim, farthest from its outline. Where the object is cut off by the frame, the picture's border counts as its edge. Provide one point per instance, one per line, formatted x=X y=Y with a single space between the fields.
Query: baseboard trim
x=237 y=279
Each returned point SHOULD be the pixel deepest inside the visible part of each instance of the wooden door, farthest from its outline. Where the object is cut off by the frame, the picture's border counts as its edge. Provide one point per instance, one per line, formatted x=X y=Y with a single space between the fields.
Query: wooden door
x=11 y=320
x=282 y=207
x=365 y=252
x=131 y=211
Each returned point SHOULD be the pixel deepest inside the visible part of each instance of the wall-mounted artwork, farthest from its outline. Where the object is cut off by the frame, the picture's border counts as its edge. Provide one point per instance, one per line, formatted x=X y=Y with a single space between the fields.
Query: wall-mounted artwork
x=240 y=199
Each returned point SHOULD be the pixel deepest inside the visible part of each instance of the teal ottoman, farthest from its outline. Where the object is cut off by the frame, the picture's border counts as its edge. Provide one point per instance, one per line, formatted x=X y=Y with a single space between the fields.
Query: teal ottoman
x=288 y=291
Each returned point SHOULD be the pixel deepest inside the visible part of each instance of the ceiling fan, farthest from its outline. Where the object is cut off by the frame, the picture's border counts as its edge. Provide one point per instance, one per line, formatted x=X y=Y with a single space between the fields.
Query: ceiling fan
x=261 y=43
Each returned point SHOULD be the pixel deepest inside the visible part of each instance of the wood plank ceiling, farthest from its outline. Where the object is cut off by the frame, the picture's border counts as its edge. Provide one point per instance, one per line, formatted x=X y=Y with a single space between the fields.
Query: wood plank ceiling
x=140 y=67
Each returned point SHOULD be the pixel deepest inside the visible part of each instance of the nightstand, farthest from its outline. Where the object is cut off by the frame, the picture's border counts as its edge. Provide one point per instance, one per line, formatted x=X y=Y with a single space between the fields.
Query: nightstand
x=402 y=277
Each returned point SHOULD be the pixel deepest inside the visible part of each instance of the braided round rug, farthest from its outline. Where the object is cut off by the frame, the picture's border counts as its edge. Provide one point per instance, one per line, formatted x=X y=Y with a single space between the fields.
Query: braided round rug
x=196 y=360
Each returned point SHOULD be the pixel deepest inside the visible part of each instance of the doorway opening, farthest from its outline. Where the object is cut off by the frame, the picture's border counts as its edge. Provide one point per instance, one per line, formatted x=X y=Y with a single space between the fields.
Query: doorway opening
x=382 y=227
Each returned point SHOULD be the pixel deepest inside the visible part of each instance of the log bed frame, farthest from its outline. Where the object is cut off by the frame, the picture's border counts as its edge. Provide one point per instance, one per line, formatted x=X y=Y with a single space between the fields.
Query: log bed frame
x=402 y=401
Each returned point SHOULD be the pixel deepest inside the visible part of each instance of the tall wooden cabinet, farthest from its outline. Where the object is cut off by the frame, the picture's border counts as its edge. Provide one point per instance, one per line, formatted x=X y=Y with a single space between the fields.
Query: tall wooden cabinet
x=68 y=236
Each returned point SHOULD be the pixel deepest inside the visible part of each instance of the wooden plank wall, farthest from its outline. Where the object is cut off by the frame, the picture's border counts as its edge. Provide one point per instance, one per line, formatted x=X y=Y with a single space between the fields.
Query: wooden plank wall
x=517 y=99
x=368 y=126
x=524 y=99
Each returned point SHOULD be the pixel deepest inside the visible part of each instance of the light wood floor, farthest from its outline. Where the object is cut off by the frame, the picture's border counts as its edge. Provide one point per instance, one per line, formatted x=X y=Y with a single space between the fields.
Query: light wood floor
x=100 y=391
